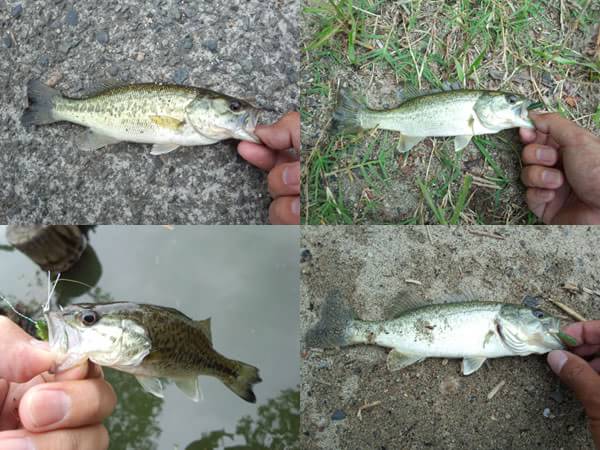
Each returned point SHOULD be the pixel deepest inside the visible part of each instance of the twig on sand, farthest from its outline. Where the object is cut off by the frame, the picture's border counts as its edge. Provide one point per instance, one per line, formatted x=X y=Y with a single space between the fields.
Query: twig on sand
x=570 y=311
x=494 y=391
x=487 y=234
x=411 y=281
x=367 y=406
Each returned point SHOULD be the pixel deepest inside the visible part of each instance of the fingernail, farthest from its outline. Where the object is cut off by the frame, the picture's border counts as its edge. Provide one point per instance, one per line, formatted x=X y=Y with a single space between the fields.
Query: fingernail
x=556 y=360
x=47 y=407
x=296 y=206
x=291 y=175
x=550 y=177
x=16 y=444
x=545 y=154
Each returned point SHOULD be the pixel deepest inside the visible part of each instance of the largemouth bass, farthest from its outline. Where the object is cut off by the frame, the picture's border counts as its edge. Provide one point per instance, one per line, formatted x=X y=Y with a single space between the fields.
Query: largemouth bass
x=473 y=331
x=165 y=115
x=148 y=341
x=459 y=113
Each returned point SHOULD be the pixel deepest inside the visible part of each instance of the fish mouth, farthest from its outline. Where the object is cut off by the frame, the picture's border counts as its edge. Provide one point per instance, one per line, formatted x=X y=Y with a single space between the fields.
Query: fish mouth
x=521 y=114
x=57 y=333
x=247 y=126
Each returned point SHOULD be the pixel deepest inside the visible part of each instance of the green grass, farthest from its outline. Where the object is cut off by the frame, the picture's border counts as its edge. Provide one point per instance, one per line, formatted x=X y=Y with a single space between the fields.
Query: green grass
x=531 y=47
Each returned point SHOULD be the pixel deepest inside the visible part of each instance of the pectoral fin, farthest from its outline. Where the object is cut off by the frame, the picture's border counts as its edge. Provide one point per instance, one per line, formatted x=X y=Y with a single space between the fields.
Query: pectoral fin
x=167 y=122
x=161 y=149
x=408 y=142
x=461 y=142
x=397 y=360
x=472 y=364
x=152 y=385
x=190 y=387
x=89 y=140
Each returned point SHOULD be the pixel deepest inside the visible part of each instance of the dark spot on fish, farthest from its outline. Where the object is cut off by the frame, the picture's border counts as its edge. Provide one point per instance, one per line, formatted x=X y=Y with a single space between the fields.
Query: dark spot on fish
x=499 y=331
x=371 y=338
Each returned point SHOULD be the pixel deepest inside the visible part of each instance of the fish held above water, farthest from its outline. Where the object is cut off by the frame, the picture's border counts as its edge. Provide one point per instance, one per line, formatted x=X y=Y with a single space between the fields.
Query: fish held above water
x=473 y=331
x=166 y=115
x=459 y=113
x=151 y=342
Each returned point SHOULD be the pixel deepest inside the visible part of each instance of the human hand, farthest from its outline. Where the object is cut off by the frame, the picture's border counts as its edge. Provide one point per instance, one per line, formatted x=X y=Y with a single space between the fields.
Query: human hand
x=580 y=375
x=40 y=411
x=283 y=166
x=561 y=171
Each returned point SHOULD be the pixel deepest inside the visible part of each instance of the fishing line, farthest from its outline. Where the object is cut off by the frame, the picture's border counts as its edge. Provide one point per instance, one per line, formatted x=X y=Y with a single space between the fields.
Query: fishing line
x=15 y=311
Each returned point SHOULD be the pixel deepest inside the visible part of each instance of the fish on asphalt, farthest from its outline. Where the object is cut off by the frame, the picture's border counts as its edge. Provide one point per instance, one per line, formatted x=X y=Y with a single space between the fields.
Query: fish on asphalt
x=154 y=343
x=460 y=113
x=473 y=331
x=166 y=115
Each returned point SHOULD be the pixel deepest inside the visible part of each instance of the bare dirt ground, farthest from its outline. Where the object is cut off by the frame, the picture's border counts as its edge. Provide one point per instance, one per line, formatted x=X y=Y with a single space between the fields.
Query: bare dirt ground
x=430 y=404
x=244 y=48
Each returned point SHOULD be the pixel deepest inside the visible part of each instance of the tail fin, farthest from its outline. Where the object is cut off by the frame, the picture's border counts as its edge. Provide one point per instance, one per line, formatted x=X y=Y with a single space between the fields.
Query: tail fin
x=346 y=116
x=242 y=384
x=331 y=330
x=41 y=103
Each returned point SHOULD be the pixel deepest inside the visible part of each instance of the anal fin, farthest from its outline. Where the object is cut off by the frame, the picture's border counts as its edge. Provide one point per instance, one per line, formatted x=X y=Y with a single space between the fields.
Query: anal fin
x=461 y=142
x=398 y=361
x=161 y=149
x=408 y=142
x=190 y=387
x=472 y=364
x=152 y=385
x=90 y=140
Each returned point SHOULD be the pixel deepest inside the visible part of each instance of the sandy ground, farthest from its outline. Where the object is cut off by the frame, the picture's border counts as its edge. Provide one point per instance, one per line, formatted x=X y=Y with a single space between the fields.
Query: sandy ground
x=245 y=48
x=430 y=404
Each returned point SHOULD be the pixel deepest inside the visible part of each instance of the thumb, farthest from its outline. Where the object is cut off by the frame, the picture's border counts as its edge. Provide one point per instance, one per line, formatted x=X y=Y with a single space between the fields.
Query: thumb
x=578 y=375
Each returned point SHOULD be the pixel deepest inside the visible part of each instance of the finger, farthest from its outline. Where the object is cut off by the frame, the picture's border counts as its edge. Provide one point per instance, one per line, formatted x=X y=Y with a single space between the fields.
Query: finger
x=539 y=155
x=257 y=155
x=285 y=211
x=577 y=374
x=22 y=357
x=529 y=136
x=595 y=364
x=587 y=332
x=284 y=179
x=537 y=200
x=66 y=404
x=585 y=350
x=94 y=437
x=542 y=177
x=562 y=131
x=283 y=134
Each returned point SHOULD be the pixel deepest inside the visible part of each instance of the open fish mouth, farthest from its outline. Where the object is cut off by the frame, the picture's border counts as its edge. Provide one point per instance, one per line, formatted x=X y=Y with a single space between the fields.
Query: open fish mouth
x=248 y=125
x=521 y=112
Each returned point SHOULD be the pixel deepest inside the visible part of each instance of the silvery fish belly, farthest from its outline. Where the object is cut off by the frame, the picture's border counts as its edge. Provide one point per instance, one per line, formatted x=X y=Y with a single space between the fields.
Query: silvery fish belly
x=459 y=113
x=473 y=331
x=151 y=342
x=166 y=115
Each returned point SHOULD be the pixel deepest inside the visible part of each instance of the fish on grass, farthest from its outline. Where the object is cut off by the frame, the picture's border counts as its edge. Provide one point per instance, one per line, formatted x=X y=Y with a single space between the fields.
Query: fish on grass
x=460 y=113
x=473 y=331
x=153 y=343
x=166 y=115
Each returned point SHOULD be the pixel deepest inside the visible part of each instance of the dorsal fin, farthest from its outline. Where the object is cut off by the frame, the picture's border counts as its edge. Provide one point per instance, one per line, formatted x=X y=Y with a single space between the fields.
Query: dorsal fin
x=204 y=326
x=406 y=301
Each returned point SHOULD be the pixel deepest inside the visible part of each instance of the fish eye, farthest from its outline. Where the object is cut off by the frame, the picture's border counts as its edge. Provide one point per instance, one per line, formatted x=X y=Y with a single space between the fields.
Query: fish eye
x=512 y=99
x=235 y=106
x=537 y=313
x=89 y=318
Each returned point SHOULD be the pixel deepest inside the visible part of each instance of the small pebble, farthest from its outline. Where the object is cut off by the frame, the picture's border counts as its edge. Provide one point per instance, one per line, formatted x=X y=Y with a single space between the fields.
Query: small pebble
x=44 y=60
x=305 y=255
x=17 y=11
x=140 y=57
x=180 y=75
x=72 y=17
x=102 y=37
x=546 y=412
x=338 y=415
x=55 y=77
x=113 y=71
x=210 y=45
x=188 y=43
x=7 y=41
